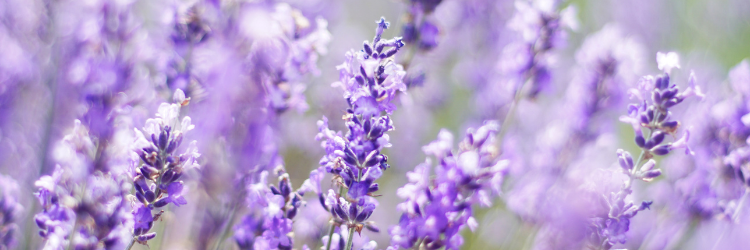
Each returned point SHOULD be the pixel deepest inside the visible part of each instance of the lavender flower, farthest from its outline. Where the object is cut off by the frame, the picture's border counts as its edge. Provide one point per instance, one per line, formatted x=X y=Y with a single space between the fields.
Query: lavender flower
x=157 y=180
x=418 y=29
x=251 y=68
x=609 y=62
x=438 y=207
x=271 y=227
x=370 y=80
x=731 y=145
x=10 y=210
x=582 y=120
x=541 y=26
x=655 y=96
x=83 y=207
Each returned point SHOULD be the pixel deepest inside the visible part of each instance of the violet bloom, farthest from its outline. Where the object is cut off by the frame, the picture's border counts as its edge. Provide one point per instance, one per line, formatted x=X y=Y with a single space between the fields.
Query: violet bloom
x=606 y=63
x=731 y=144
x=157 y=180
x=248 y=65
x=370 y=80
x=541 y=27
x=609 y=62
x=270 y=225
x=76 y=195
x=654 y=96
x=419 y=29
x=437 y=207
x=10 y=210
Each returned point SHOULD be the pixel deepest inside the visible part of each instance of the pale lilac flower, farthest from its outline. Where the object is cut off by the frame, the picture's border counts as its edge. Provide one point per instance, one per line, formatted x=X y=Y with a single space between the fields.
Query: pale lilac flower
x=437 y=207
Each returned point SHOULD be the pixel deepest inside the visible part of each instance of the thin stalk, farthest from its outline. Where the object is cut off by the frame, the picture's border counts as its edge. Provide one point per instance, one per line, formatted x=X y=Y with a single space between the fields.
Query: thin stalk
x=687 y=235
x=225 y=232
x=351 y=239
x=511 y=112
x=736 y=214
x=72 y=236
x=330 y=236
x=130 y=245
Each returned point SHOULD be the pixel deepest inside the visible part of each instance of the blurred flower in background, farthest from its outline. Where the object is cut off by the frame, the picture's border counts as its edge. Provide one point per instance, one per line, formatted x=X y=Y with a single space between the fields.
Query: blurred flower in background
x=242 y=116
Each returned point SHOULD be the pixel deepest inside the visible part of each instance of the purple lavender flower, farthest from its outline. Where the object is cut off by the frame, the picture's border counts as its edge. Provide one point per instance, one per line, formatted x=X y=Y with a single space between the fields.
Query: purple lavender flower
x=270 y=227
x=609 y=61
x=655 y=95
x=80 y=205
x=157 y=180
x=418 y=29
x=541 y=26
x=249 y=67
x=10 y=210
x=438 y=207
x=370 y=80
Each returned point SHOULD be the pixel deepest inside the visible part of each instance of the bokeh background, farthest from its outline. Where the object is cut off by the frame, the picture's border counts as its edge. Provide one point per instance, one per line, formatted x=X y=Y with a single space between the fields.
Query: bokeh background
x=37 y=40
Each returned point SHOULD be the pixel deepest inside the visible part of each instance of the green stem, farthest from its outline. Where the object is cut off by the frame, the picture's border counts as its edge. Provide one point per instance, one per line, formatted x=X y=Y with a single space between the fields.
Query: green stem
x=330 y=236
x=225 y=232
x=351 y=239
x=72 y=236
x=511 y=112
x=132 y=242
x=687 y=235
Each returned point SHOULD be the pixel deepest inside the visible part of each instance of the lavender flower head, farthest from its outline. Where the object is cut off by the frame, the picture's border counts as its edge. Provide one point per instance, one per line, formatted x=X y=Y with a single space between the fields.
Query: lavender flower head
x=10 y=210
x=418 y=29
x=542 y=28
x=609 y=62
x=271 y=226
x=736 y=139
x=284 y=47
x=370 y=79
x=81 y=206
x=157 y=181
x=437 y=207
x=654 y=96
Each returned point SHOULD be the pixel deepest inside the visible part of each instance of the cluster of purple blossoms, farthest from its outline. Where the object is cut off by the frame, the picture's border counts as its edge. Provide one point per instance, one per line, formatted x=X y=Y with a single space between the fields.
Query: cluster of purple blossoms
x=731 y=144
x=541 y=26
x=83 y=207
x=9 y=212
x=370 y=80
x=280 y=59
x=418 y=29
x=606 y=64
x=609 y=63
x=269 y=47
x=439 y=206
x=157 y=181
x=654 y=96
x=77 y=77
x=271 y=227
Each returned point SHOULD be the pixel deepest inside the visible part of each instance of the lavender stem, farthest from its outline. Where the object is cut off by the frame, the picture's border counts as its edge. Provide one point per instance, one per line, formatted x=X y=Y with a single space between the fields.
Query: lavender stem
x=351 y=239
x=130 y=245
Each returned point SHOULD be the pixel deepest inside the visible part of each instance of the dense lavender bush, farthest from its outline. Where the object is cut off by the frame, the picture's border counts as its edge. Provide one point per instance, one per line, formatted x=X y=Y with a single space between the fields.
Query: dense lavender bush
x=136 y=124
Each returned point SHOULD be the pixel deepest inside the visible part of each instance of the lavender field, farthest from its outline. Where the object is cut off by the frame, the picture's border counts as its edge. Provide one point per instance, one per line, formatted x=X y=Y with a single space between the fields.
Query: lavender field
x=374 y=124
